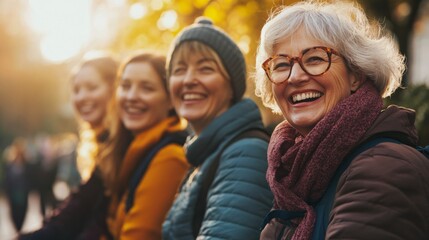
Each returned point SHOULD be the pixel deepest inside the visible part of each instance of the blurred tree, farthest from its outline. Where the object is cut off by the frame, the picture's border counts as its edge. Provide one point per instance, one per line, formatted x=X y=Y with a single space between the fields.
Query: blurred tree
x=400 y=16
x=30 y=89
x=242 y=19
x=32 y=92
x=417 y=98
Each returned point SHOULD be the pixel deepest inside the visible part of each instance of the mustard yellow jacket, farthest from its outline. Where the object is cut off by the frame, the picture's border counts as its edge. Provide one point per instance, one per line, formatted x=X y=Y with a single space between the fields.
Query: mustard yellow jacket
x=155 y=193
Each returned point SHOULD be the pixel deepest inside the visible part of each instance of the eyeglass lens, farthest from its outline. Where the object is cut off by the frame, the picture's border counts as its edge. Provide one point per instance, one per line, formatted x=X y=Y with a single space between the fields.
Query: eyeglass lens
x=314 y=61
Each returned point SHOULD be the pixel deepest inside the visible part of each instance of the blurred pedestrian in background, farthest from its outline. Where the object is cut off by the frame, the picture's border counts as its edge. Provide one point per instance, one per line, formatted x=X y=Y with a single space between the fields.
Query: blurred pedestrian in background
x=16 y=182
x=46 y=174
x=67 y=172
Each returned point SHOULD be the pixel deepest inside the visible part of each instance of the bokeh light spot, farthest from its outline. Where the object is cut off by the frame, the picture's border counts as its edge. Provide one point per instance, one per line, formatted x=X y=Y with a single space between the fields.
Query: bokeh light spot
x=138 y=11
x=167 y=20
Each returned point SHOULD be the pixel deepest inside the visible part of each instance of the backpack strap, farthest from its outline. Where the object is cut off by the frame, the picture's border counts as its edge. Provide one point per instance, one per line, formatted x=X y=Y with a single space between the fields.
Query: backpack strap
x=324 y=205
x=280 y=214
x=424 y=150
x=174 y=138
x=201 y=204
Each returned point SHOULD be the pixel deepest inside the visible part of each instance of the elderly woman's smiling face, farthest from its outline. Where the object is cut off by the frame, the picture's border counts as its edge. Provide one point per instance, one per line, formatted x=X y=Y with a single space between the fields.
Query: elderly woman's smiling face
x=304 y=99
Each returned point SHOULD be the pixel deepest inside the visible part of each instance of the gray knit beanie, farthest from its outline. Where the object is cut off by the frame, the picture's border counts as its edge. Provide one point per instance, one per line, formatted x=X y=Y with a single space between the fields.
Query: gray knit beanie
x=232 y=58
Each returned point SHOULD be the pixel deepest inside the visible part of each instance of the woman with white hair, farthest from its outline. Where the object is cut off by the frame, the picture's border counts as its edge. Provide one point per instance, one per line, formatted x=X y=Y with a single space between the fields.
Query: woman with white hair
x=325 y=68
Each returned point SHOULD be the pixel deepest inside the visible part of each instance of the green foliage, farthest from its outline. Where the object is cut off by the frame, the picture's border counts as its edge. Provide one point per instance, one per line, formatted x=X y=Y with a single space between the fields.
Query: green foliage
x=415 y=97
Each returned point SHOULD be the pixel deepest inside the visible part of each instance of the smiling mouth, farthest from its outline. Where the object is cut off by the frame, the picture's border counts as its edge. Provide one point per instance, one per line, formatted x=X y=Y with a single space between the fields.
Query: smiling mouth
x=192 y=96
x=134 y=110
x=305 y=97
x=86 y=108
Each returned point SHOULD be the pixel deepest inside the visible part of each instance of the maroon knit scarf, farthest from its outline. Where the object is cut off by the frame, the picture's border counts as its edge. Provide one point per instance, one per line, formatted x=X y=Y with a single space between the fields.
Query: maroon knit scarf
x=300 y=168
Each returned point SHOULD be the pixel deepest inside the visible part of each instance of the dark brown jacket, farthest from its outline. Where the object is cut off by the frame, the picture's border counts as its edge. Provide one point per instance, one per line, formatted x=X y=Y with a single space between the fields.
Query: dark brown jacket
x=384 y=193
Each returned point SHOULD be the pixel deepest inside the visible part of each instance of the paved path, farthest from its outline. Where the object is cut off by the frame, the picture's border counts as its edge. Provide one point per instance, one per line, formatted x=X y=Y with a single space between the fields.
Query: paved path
x=33 y=219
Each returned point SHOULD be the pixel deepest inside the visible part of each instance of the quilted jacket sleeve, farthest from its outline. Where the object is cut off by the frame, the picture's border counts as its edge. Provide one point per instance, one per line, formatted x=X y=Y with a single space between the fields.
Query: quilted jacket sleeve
x=239 y=197
x=384 y=194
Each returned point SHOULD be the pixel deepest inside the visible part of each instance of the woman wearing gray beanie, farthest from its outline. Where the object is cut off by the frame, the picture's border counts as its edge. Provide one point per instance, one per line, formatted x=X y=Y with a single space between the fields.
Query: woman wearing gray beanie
x=226 y=194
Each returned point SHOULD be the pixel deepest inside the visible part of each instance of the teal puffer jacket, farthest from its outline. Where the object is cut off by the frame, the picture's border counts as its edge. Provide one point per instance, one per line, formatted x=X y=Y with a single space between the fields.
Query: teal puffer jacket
x=239 y=196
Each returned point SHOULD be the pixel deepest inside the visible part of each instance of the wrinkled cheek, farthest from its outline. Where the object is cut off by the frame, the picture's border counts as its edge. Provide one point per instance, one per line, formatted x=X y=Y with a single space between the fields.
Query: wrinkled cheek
x=339 y=90
x=278 y=93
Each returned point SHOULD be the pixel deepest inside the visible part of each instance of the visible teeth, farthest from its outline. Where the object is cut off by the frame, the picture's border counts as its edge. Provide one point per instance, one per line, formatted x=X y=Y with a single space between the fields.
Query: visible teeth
x=304 y=96
x=134 y=110
x=192 y=96
x=87 y=108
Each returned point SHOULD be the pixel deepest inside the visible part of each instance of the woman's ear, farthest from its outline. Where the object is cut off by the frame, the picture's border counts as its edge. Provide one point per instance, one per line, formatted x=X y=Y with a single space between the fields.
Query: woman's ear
x=356 y=81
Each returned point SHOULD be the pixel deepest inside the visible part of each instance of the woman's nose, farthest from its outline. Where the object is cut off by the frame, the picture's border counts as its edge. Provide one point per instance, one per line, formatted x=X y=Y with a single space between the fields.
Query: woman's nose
x=297 y=74
x=190 y=77
x=80 y=95
x=132 y=93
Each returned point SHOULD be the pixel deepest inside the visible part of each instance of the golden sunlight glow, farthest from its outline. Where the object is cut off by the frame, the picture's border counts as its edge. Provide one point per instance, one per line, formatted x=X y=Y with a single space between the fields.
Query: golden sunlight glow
x=168 y=20
x=157 y=5
x=57 y=48
x=63 y=25
x=200 y=3
x=117 y=2
x=138 y=11
x=244 y=44
x=214 y=11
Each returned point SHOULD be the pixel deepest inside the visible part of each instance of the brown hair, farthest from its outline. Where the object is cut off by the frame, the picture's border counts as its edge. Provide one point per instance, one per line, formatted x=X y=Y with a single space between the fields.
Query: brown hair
x=186 y=49
x=120 y=138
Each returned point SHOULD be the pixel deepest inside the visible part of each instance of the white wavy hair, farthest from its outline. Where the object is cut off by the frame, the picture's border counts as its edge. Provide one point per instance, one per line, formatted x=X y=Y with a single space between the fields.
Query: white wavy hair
x=343 y=26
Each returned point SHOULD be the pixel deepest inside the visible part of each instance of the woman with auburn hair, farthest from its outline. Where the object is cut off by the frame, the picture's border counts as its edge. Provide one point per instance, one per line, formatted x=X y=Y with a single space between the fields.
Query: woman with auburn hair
x=144 y=181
